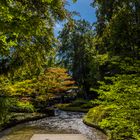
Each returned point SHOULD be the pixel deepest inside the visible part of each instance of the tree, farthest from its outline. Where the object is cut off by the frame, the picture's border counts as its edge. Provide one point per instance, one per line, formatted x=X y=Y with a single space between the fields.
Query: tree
x=26 y=31
x=118 y=46
x=26 y=42
x=52 y=82
x=77 y=51
x=122 y=121
x=118 y=33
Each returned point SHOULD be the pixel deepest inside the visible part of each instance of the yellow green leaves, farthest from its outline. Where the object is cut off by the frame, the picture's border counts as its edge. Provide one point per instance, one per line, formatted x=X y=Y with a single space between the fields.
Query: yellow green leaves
x=53 y=81
x=25 y=105
x=23 y=27
x=48 y=1
x=122 y=93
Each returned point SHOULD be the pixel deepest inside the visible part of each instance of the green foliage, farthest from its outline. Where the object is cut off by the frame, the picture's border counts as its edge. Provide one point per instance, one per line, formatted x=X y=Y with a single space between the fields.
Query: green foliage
x=77 y=52
x=87 y=105
x=79 y=105
x=115 y=32
x=26 y=50
x=97 y=114
x=117 y=44
x=78 y=102
x=123 y=121
x=71 y=107
x=30 y=92
x=110 y=54
x=5 y=104
x=53 y=81
x=27 y=35
x=25 y=106
x=74 y=0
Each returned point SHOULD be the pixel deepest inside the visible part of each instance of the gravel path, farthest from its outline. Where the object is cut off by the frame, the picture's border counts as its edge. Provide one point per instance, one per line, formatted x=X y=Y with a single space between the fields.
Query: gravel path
x=62 y=123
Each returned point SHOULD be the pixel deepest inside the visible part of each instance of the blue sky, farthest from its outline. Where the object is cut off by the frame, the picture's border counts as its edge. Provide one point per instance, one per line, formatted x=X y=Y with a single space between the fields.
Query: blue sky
x=83 y=8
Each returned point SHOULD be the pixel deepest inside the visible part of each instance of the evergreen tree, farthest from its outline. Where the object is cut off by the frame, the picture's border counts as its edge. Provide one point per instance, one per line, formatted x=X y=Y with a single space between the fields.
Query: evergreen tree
x=77 y=51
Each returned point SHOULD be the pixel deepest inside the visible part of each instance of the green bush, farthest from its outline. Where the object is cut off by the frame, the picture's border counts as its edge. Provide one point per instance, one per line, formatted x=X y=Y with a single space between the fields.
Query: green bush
x=97 y=114
x=123 y=96
x=25 y=106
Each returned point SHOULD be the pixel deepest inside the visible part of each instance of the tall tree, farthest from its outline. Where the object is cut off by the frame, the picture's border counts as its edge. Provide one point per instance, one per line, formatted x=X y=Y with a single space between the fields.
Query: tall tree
x=26 y=40
x=118 y=32
x=76 y=51
x=26 y=31
x=117 y=42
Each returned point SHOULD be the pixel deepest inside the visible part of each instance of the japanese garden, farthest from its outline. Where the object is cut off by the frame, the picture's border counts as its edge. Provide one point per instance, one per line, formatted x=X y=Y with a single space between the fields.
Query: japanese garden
x=81 y=79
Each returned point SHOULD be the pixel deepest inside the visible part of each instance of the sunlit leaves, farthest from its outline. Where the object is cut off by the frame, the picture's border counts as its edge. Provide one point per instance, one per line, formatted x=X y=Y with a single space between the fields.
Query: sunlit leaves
x=53 y=81
x=27 y=27
x=117 y=33
x=123 y=92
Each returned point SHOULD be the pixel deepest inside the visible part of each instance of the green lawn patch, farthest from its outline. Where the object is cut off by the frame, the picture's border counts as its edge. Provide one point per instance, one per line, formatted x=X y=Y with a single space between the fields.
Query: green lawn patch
x=79 y=105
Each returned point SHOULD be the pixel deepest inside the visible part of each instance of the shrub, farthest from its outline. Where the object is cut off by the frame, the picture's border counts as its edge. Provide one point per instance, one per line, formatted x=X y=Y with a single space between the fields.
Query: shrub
x=97 y=114
x=25 y=106
x=123 y=121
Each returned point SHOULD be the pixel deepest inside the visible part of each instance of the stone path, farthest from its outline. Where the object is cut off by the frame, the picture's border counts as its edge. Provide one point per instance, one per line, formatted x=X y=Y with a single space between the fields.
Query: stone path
x=58 y=137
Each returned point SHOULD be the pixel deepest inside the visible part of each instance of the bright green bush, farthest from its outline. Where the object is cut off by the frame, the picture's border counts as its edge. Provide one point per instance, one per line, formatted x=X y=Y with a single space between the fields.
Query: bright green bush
x=123 y=121
x=25 y=106
x=97 y=114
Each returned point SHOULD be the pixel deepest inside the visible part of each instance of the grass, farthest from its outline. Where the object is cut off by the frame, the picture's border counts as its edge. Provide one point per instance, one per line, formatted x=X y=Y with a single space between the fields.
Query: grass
x=79 y=105
x=66 y=107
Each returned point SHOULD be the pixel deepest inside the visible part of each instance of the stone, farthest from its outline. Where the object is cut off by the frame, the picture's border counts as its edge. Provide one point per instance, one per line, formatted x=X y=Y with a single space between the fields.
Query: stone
x=58 y=137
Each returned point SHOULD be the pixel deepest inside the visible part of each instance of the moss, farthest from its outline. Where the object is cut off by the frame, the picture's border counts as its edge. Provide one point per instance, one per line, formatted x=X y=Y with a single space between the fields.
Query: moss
x=96 y=115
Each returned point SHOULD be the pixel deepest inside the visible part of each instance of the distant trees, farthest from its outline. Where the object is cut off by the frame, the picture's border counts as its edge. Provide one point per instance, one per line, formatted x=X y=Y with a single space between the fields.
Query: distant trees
x=77 y=53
